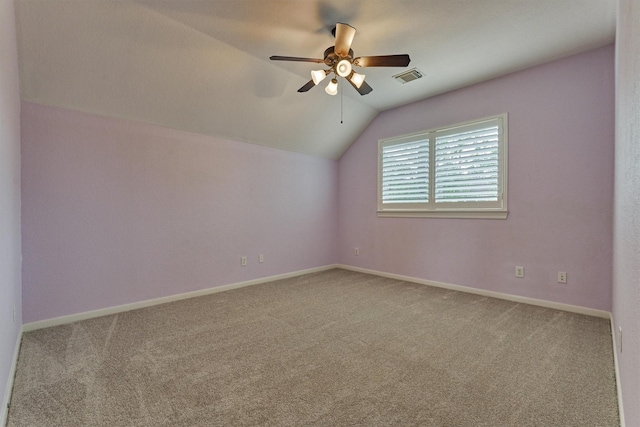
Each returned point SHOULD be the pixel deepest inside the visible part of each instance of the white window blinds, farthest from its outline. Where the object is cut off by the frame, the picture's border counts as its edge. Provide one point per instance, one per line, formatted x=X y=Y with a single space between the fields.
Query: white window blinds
x=467 y=164
x=460 y=168
x=405 y=172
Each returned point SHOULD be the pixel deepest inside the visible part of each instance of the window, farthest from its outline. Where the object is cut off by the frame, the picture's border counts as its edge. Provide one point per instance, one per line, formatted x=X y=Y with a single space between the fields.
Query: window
x=455 y=171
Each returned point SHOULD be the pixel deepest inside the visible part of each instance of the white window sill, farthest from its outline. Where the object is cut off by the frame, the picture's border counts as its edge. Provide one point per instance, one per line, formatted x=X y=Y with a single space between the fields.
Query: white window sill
x=478 y=214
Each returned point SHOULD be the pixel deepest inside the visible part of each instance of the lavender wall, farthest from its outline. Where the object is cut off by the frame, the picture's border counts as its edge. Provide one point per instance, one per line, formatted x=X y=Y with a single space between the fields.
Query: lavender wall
x=10 y=258
x=561 y=149
x=626 y=255
x=116 y=212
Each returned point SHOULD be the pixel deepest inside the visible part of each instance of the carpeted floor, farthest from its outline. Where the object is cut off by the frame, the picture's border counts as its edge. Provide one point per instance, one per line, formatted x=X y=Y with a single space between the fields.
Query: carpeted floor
x=335 y=348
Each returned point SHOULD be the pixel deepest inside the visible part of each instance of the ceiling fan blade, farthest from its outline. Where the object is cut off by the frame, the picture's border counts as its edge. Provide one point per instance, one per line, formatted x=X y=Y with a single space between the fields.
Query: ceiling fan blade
x=344 y=38
x=296 y=59
x=382 y=61
x=363 y=89
x=307 y=86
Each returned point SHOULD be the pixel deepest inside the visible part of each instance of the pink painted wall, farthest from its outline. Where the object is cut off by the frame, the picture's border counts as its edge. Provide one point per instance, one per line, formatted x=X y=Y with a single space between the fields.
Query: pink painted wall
x=626 y=254
x=10 y=260
x=116 y=212
x=561 y=150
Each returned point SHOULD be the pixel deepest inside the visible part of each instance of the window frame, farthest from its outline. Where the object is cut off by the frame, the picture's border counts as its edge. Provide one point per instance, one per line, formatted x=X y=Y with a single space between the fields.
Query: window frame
x=433 y=209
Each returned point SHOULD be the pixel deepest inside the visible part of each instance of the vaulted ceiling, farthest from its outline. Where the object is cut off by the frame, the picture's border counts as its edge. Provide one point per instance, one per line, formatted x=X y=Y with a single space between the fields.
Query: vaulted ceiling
x=203 y=65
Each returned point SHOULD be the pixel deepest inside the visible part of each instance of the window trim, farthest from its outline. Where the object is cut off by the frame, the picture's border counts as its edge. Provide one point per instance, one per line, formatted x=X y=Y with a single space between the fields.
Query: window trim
x=454 y=209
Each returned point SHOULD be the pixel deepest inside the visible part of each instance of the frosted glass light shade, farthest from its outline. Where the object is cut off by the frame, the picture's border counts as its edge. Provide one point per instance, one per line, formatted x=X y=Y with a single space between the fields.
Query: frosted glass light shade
x=357 y=79
x=318 y=75
x=343 y=69
x=332 y=87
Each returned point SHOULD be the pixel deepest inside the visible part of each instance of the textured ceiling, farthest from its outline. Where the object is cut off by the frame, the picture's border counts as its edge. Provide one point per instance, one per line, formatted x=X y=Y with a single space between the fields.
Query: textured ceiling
x=203 y=65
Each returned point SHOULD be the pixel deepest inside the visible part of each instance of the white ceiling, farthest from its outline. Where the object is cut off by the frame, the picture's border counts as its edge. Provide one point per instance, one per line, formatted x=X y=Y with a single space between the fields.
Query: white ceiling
x=203 y=65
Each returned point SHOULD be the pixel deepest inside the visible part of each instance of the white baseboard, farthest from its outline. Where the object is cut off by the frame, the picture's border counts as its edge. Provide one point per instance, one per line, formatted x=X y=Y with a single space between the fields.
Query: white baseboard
x=32 y=326
x=483 y=292
x=162 y=300
x=4 y=410
x=617 y=368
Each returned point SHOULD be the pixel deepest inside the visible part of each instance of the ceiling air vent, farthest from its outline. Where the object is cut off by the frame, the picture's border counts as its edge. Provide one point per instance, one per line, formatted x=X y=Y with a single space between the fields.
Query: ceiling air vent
x=408 y=76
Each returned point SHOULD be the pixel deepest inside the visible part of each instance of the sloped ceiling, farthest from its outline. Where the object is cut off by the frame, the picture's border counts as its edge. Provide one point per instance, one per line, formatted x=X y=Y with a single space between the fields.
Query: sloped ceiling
x=203 y=65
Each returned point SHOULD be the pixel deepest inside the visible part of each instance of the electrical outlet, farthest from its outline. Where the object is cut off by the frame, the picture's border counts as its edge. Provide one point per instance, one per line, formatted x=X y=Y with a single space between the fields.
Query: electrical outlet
x=261 y=258
x=562 y=277
x=356 y=251
x=243 y=261
x=519 y=271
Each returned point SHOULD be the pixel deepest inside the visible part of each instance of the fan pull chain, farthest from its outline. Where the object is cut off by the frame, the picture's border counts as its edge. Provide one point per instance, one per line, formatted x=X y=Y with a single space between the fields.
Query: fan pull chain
x=341 y=105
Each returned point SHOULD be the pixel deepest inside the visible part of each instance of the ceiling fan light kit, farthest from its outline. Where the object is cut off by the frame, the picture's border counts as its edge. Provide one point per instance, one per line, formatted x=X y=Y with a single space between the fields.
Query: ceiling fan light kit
x=357 y=79
x=318 y=75
x=343 y=69
x=340 y=60
x=332 y=87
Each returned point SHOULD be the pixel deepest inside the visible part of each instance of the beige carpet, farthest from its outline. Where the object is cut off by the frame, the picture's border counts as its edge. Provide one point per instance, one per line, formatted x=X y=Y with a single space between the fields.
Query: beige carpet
x=335 y=348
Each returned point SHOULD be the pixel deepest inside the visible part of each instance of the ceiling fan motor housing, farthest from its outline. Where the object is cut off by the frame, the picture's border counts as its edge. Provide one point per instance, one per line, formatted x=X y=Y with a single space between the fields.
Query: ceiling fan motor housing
x=331 y=58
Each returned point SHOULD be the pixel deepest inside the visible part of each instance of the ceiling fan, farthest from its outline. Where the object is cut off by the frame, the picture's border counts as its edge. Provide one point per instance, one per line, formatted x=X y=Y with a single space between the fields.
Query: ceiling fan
x=340 y=60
